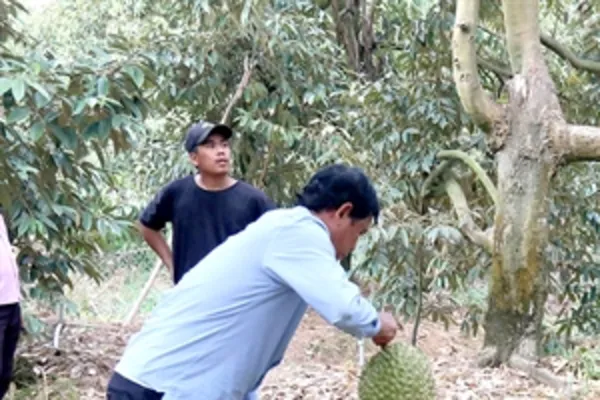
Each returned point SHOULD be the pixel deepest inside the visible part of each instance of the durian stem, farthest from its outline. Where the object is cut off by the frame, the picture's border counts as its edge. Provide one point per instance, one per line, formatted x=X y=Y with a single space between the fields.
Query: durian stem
x=361 y=353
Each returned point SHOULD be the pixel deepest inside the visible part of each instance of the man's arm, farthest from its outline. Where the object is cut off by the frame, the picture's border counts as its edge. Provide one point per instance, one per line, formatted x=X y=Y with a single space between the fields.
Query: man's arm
x=157 y=242
x=302 y=257
x=264 y=204
x=153 y=219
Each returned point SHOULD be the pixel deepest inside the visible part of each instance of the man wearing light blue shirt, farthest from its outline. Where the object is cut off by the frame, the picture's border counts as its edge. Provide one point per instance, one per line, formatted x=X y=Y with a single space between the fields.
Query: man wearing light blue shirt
x=216 y=334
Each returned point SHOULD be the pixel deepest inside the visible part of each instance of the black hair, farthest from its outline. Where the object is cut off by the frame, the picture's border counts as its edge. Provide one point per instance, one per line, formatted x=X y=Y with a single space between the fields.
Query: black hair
x=337 y=184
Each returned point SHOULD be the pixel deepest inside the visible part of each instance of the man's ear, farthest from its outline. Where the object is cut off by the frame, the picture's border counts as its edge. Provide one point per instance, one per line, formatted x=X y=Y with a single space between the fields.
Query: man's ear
x=344 y=210
x=193 y=158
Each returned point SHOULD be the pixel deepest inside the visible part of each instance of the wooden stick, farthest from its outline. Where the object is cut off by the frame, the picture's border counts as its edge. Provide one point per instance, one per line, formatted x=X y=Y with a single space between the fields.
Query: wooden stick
x=144 y=293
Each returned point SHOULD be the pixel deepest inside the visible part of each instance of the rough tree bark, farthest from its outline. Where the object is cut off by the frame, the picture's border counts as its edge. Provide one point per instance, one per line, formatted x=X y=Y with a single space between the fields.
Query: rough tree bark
x=354 y=31
x=530 y=139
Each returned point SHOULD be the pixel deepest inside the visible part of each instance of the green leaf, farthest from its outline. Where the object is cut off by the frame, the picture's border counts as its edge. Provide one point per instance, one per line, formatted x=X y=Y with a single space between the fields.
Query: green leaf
x=37 y=130
x=5 y=85
x=86 y=221
x=117 y=121
x=103 y=86
x=136 y=74
x=98 y=129
x=40 y=90
x=79 y=106
x=40 y=100
x=18 y=89
x=213 y=58
x=17 y=114
x=104 y=128
x=22 y=228
x=48 y=222
x=66 y=135
x=135 y=110
x=91 y=131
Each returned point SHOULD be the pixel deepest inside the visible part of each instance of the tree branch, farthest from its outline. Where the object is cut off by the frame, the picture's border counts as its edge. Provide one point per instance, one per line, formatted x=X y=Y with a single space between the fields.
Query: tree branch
x=240 y=89
x=368 y=36
x=477 y=103
x=435 y=174
x=582 y=143
x=475 y=167
x=459 y=202
x=552 y=44
x=559 y=49
x=494 y=67
x=565 y=53
x=466 y=224
x=522 y=33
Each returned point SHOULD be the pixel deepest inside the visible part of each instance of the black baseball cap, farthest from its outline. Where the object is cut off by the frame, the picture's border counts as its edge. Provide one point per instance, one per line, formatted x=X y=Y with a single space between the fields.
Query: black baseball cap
x=198 y=133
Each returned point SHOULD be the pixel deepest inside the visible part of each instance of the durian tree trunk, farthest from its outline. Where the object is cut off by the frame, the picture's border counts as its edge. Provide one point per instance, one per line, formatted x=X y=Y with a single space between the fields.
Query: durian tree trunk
x=530 y=139
x=518 y=279
x=354 y=31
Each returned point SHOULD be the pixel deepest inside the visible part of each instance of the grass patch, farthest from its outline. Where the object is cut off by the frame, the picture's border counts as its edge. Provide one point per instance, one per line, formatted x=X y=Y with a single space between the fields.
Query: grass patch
x=112 y=300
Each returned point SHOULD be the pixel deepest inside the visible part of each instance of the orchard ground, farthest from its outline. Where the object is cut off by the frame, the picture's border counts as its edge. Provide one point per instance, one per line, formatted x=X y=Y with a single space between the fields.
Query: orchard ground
x=321 y=363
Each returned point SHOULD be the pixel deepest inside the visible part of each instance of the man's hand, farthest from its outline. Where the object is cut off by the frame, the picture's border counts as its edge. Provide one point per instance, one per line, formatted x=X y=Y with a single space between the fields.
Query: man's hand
x=158 y=244
x=388 y=330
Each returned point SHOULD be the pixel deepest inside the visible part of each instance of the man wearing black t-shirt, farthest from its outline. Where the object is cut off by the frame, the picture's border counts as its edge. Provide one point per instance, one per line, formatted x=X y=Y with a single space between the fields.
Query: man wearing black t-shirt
x=204 y=208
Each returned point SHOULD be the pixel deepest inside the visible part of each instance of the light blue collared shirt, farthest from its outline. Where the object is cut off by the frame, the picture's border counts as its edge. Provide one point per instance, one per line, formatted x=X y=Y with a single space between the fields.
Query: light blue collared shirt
x=217 y=333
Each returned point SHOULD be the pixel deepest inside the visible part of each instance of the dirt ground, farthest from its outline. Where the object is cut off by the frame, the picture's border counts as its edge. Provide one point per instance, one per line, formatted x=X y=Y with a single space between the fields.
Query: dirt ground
x=321 y=364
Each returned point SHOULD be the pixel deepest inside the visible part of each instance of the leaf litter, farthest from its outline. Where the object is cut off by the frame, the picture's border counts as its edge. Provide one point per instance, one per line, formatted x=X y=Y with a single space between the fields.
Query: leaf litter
x=321 y=364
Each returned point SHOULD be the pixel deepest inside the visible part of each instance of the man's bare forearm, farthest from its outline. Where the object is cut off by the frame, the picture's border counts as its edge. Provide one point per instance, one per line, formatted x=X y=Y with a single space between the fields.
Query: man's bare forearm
x=157 y=242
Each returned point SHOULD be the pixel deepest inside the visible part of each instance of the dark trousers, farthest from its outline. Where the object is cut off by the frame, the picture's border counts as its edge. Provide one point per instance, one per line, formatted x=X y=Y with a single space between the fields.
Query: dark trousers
x=10 y=328
x=121 y=388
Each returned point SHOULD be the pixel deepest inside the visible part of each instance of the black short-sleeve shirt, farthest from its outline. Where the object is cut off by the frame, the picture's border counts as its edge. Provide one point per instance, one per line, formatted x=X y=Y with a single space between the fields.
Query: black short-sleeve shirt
x=202 y=219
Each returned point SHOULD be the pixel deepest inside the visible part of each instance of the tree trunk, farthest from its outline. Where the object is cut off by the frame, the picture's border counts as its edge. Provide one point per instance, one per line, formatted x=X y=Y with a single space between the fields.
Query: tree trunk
x=527 y=159
x=526 y=164
x=530 y=138
x=354 y=31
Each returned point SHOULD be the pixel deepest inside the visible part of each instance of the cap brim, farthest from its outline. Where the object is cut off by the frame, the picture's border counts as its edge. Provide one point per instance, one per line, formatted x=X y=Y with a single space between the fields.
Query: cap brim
x=198 y=134
x=221 y=129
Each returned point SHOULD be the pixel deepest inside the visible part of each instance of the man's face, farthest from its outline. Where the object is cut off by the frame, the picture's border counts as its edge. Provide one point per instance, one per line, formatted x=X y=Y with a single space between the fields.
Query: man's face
x=213 y=156
x=345 y=231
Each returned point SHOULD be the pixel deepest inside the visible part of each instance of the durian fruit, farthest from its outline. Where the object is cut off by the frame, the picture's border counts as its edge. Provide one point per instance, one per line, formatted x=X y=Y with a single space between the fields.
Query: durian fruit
x=398 y=372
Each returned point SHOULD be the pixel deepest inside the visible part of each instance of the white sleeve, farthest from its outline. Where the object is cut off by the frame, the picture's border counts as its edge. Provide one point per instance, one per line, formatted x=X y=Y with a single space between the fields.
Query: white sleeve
x=302 y=257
